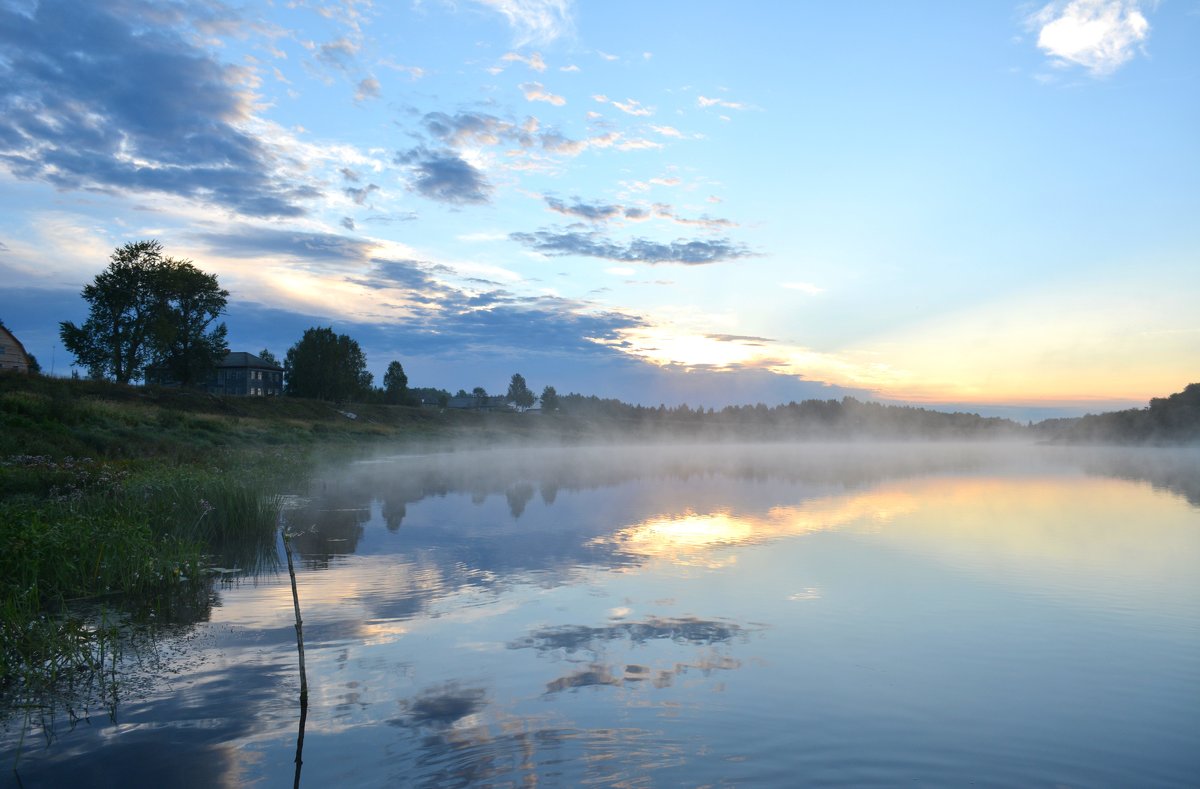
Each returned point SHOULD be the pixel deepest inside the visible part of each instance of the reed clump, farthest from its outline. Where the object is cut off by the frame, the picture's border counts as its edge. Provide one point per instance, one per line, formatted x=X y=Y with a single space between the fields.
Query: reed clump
x=90 y=543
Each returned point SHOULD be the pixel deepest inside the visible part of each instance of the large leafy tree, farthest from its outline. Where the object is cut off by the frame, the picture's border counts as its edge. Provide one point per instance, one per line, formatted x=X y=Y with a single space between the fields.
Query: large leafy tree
x=395 y=384
x=326 y=366
x=519 y=392
x=114 y=342
x=149 y=309
x=186 y=342
x=550 y=399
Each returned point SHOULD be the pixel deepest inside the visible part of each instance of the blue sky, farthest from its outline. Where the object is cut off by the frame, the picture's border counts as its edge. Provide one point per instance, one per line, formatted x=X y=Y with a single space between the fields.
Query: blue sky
x=980 y=205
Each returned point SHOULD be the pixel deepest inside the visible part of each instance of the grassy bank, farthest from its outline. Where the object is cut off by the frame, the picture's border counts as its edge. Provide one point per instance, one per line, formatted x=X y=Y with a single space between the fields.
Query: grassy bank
x=114 y=502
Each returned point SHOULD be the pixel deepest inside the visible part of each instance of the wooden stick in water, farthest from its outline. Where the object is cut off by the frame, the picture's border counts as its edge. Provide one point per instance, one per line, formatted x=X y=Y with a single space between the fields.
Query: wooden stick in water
x=287 y=547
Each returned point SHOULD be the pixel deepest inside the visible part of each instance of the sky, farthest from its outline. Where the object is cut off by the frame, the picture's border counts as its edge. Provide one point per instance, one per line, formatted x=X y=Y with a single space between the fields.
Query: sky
x=987 y=206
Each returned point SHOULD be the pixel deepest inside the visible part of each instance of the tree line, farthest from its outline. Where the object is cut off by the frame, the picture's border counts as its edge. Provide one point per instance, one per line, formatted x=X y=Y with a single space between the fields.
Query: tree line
x=154 y=317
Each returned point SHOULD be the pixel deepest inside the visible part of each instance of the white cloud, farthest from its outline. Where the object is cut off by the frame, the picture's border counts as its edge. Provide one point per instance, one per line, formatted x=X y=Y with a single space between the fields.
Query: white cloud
x=803 y=287
x=415 y=72
x=535 y=91
x=571 y=67
x=667 y=131
x=639 y=144
x=540 y=21
x=705 y=101
x=1099 y=35
x=534 y=61
x=631 y=107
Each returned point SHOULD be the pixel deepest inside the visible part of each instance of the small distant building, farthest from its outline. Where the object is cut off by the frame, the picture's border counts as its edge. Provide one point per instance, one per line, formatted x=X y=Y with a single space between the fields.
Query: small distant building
x=242 y=374
x=12 y=353
x=472 y=403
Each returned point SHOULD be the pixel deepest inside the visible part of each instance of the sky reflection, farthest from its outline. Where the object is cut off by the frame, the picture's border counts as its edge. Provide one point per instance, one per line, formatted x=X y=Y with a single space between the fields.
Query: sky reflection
x=927 y=618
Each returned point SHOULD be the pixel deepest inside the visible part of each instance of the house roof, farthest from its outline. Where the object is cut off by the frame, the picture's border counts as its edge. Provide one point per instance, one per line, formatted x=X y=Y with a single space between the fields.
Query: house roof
x=13 y=337
x=243 y=359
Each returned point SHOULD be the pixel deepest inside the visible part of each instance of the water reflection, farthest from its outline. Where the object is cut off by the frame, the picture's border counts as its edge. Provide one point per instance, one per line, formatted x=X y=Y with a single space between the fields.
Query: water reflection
x=573 y=617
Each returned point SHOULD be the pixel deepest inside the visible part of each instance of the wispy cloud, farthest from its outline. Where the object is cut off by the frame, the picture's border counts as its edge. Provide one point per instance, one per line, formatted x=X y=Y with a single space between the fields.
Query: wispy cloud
x=536 y=21
x=368 y=88
x=639 y=250
x=536 y=91
x=609 y=212
x=632 y=107
x=415 y=72
x=803 y=287
x=360 y=195
x=1100 y=35
x=705 y=101
x=533 y=61
x=338 y=53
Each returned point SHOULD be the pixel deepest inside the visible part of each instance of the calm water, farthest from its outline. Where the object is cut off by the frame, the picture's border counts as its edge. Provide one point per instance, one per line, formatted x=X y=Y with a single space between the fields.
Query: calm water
x=754 y=616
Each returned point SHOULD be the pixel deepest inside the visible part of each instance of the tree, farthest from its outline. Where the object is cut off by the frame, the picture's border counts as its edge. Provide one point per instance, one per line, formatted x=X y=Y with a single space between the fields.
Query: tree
x=186 y=345
x=326 y=366
x=146 y=308
x=395 y=384
x=114 y=341
x=549 y=399
x=518 y=392
x=268 y=357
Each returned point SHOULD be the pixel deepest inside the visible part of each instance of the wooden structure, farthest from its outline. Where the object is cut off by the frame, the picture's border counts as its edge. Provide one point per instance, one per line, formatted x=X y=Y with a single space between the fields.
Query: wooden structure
x=13 y=356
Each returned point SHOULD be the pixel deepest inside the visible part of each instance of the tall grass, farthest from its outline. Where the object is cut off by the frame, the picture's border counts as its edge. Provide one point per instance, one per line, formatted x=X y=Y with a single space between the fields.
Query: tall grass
x=137 y=540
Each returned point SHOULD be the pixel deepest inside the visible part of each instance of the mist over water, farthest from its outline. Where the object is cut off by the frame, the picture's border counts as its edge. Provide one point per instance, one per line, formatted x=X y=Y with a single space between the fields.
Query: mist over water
x=687 y=614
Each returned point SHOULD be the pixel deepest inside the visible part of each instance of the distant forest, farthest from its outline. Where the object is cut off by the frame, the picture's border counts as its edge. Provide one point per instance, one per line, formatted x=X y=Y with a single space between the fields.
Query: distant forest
x=1168 y=420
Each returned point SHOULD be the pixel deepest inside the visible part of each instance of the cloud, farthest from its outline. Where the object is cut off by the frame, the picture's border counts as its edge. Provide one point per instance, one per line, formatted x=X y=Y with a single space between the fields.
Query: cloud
x=570 y=68
x=803 y=287
x=445 y=176
x=593 y=212
x=338 y=53
x=159 y=114
x=1100 y=35
x=441 y=319
x=414 y=72
x=631 y=107
x=705 y=101
x=606 y=212
x=360 y=195
x=534 y=61
x=667 y=131
x=535 y=21
x=467 y=128
x=640 y=144
x=743 y=339
x=477 y=128
x=368 y=88
x=535 y=91
x=248 y=242
x=348 y=223
x=639 y=250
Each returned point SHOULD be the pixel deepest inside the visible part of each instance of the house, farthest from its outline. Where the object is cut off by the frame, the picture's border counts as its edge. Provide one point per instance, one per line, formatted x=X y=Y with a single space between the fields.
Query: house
x=245 y=375
x=12 y=353
x=472 y=403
